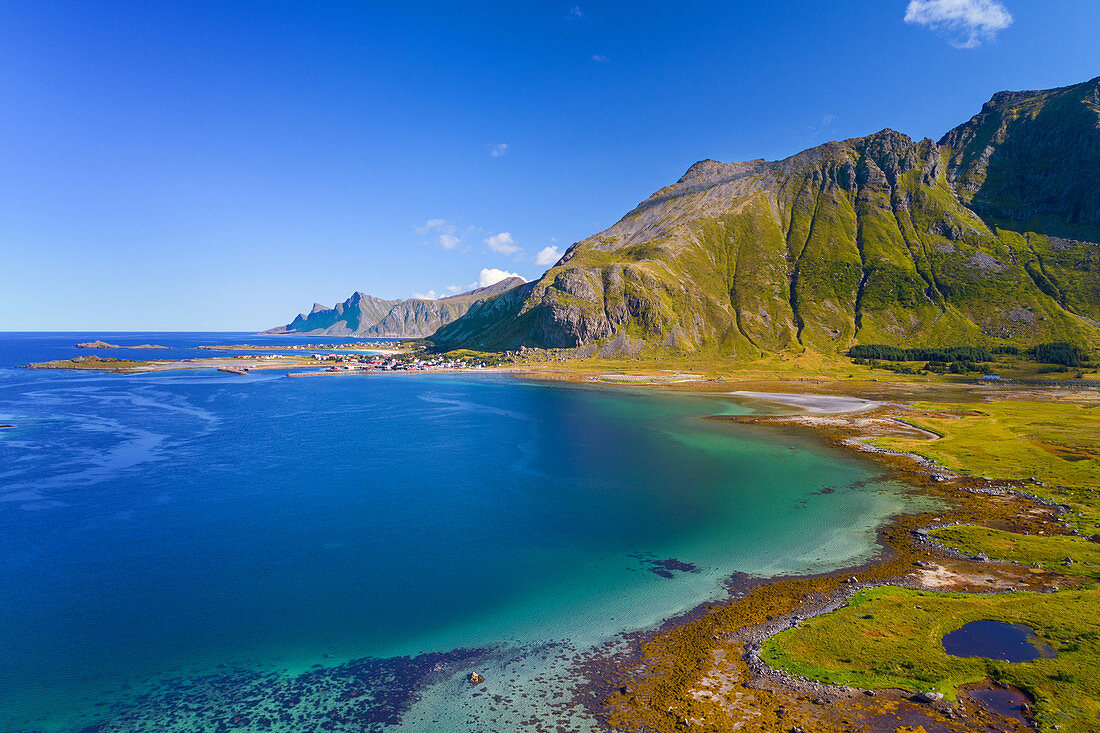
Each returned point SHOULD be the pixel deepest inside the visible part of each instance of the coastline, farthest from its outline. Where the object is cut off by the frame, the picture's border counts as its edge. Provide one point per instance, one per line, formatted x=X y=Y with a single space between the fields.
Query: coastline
x=231 y=681
x=728 y=634
x=719 y=643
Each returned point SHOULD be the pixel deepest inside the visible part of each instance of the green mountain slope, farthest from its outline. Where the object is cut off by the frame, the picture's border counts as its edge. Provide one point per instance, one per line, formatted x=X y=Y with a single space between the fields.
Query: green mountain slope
x=989 y=236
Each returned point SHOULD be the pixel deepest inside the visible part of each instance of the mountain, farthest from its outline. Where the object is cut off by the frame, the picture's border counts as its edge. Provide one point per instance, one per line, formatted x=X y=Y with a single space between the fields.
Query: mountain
x=365 y=315
x=989 y=236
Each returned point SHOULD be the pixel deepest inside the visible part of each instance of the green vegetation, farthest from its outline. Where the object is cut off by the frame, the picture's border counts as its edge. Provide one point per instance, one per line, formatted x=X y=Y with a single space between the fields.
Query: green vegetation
x=488 y=358
x=1053 y=442
x=1060 y=353
x=93 y=362
x=865 y=241
x=894 y=353
x=1048 y=552
x=1057 y=358
x=891 y=637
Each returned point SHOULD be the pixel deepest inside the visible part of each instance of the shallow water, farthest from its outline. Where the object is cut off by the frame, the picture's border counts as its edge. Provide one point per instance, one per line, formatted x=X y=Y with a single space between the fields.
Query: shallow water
x=195 y=541
x=1008 y=703
x=997 y=640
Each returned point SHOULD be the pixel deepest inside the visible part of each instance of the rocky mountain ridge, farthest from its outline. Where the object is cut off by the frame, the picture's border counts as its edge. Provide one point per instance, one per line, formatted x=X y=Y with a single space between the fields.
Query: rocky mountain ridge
x=366 y=315
x=990 y=235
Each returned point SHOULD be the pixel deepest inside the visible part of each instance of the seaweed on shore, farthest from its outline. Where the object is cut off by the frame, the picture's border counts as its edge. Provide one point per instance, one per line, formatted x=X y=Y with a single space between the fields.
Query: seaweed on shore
x=364 y=695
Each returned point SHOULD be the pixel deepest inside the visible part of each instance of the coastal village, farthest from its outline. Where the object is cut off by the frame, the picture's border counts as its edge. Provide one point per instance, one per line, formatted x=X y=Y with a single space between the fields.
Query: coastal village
x=374 y=357
x=401 y=363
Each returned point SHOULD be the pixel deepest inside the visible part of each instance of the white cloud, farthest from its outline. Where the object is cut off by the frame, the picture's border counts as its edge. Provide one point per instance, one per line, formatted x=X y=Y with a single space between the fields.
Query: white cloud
x=547 y=256
x=453 y=289
x=502 y=243
x=599 y=59
x=966 y=23
x=491 y=276
x=430 y=225
x=430 y=295
x=498 y=150
x=447 y=237
x=574 y=13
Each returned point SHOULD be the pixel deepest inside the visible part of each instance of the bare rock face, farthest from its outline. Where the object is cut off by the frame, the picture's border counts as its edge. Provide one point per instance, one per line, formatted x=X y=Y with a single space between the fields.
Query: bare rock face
x=878 y=239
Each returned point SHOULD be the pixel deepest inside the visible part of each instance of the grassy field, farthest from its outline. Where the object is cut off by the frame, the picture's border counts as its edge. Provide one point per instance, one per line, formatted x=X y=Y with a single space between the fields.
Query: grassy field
x=1048 y=552
x=1057 y=443
x=891 y=637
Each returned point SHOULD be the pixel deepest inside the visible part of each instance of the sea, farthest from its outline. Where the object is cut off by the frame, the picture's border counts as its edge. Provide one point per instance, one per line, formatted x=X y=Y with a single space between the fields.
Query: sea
x=194 y=550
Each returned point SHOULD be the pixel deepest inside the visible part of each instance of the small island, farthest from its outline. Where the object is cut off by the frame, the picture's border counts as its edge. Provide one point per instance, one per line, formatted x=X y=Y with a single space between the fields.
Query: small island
x=105 y=345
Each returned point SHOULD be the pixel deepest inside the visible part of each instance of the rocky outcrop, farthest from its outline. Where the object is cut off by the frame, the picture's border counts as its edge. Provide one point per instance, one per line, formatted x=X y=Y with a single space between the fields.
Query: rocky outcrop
x=988 y=236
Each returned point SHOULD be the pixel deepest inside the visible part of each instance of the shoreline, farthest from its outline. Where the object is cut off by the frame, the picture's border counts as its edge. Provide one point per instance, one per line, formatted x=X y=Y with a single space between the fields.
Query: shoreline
x=813 y=403
x=726 y=636
x=907 y=557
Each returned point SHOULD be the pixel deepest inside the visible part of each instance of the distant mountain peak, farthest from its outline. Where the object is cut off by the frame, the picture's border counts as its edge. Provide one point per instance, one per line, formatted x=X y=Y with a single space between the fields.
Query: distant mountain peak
x=366 y=315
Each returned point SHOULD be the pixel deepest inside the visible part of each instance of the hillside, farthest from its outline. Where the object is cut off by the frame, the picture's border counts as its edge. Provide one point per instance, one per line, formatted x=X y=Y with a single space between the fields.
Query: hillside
x=989 y=236
x=365 y=315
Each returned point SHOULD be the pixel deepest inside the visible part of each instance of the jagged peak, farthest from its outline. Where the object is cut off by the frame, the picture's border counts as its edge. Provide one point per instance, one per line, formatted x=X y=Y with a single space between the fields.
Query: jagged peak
x=885 y=138
x=708 y=169
x=317 y=308
x=1009 y=98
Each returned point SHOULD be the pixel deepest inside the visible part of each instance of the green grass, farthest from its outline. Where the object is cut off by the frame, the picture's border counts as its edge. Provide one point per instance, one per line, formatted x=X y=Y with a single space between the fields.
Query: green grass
x=890 y=637
x=1050 y=552
x=1053 y=442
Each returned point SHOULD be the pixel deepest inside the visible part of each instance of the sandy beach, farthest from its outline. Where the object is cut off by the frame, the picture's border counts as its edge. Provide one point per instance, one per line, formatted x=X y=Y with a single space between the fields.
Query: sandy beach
x=813 y=403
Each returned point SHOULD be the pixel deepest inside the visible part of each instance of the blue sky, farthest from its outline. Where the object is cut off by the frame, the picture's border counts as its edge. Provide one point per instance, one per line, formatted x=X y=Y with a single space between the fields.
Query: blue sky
x=221 y=166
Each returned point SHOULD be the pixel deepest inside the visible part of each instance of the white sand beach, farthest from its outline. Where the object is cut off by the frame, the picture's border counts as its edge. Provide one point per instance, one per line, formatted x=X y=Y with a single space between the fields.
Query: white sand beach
x=819 y=404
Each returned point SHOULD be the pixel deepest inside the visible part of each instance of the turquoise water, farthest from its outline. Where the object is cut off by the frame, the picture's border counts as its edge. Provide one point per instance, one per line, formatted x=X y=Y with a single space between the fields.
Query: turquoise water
x=167 y=527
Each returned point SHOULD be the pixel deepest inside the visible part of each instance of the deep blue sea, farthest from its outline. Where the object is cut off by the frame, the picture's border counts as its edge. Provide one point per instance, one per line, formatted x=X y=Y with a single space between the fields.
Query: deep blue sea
x=195 y=550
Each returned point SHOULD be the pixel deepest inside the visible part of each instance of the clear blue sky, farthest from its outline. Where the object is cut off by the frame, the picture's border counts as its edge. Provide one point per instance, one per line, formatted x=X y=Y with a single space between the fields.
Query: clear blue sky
x=221 y=165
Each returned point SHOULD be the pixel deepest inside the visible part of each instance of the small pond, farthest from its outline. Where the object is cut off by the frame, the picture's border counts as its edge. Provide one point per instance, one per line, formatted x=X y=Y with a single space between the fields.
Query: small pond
x=1008 y=703
x=997 y=640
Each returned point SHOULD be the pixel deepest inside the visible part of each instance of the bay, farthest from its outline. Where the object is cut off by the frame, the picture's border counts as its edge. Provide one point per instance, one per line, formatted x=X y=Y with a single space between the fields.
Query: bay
x=175 y=525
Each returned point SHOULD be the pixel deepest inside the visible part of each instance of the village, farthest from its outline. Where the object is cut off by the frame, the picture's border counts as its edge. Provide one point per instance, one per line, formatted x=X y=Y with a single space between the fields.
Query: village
x=369 y=345
x=404 y=362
